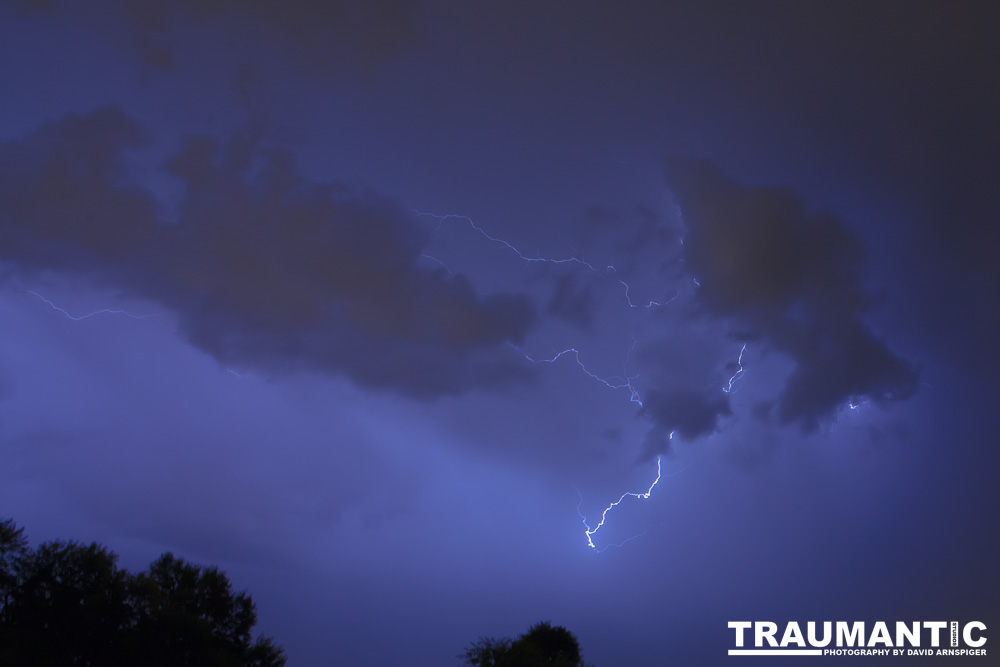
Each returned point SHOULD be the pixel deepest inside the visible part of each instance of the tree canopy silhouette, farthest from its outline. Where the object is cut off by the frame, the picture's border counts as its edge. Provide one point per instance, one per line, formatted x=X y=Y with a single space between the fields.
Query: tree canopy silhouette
x=542 y=646
x=66 y=603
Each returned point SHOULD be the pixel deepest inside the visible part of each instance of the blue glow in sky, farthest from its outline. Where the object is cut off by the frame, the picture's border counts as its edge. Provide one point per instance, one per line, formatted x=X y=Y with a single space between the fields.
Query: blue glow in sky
x=371 y=305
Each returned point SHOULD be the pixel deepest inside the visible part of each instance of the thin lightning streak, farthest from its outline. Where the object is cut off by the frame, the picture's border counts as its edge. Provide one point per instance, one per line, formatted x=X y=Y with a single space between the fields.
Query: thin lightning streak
x=635 y=398
x=102 y=311
x=610 y=270
x=589 y=532
x=627 y=384
x=619 y=545
x=643 y=496
x=109 y=311
x=611 y=383
x=438 y=261
x=453 y=216
x=651 y=304
x=739 y=372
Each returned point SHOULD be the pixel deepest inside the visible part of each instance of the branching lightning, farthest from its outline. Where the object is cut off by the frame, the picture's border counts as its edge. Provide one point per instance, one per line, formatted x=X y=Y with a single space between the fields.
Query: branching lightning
x=651 y=304
x=624 y=382
x=111 y=311
x=643 y=495
x=610 y=270
x=453 y=216
x=102 y=311
x=607 y=382
x=738 y=375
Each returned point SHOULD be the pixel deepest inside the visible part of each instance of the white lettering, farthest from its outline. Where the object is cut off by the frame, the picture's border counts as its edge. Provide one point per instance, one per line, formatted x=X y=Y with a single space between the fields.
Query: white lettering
x=765 y=630
x=827 y=634
x=935 y=627
x=792 y=634
x=880 y=635
x=856 y=637
x=739 y=626
x=912 y=634
x=967 y=634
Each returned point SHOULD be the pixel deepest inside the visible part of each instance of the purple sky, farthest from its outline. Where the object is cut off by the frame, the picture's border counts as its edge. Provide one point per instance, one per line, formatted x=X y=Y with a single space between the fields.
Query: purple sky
x=333 y=396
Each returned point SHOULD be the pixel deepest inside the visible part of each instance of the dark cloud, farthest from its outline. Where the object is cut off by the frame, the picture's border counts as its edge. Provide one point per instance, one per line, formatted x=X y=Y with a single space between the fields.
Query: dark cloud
x=263 y=269
x=65 y=201
x=628 y=238
x=750 y=449
x=686 y=414
x=319 y=36
x=29 y=7
x=315 y=36
x=572 y=303
x=794 y=278
x=685 y=381
x=656 y=442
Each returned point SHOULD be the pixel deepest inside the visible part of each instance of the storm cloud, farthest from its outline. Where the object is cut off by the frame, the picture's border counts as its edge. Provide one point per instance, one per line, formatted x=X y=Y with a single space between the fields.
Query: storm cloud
x=573 y=304
x=794 y=278
x=687 y=414
x=315 y=36
x=263 y=269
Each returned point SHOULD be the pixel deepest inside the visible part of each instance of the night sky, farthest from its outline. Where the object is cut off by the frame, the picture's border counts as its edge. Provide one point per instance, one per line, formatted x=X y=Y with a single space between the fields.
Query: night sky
x=367 y=303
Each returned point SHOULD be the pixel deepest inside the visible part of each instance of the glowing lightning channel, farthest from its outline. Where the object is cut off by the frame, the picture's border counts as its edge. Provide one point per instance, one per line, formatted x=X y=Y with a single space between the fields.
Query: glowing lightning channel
x=739 y=372
x=102 y=311
x=589 y=532
x=650 y=304
x=453 y=216
x=611 y=383
x=607 y=382
x=438 y=261
x=610 y=270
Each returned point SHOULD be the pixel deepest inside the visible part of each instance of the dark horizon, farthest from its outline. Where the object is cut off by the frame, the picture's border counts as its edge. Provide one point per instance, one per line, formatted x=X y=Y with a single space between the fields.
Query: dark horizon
x=379 y=306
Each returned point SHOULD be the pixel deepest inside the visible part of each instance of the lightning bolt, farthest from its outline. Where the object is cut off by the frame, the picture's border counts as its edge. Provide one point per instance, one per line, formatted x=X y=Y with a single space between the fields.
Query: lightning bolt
x=102 y=311
x=643 y=495
x=738 y=374
x=610 y=270
x=625 y=382
x=438 y=261
x=607 y=382
x=110 y=311
x=651 y=304
x=526 y=258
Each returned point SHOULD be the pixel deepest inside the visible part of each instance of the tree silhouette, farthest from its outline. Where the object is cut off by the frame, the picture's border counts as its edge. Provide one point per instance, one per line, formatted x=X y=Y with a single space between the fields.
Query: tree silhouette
x=13 y=546
x=187 y=611
x=542 y=646
x=65 y=603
